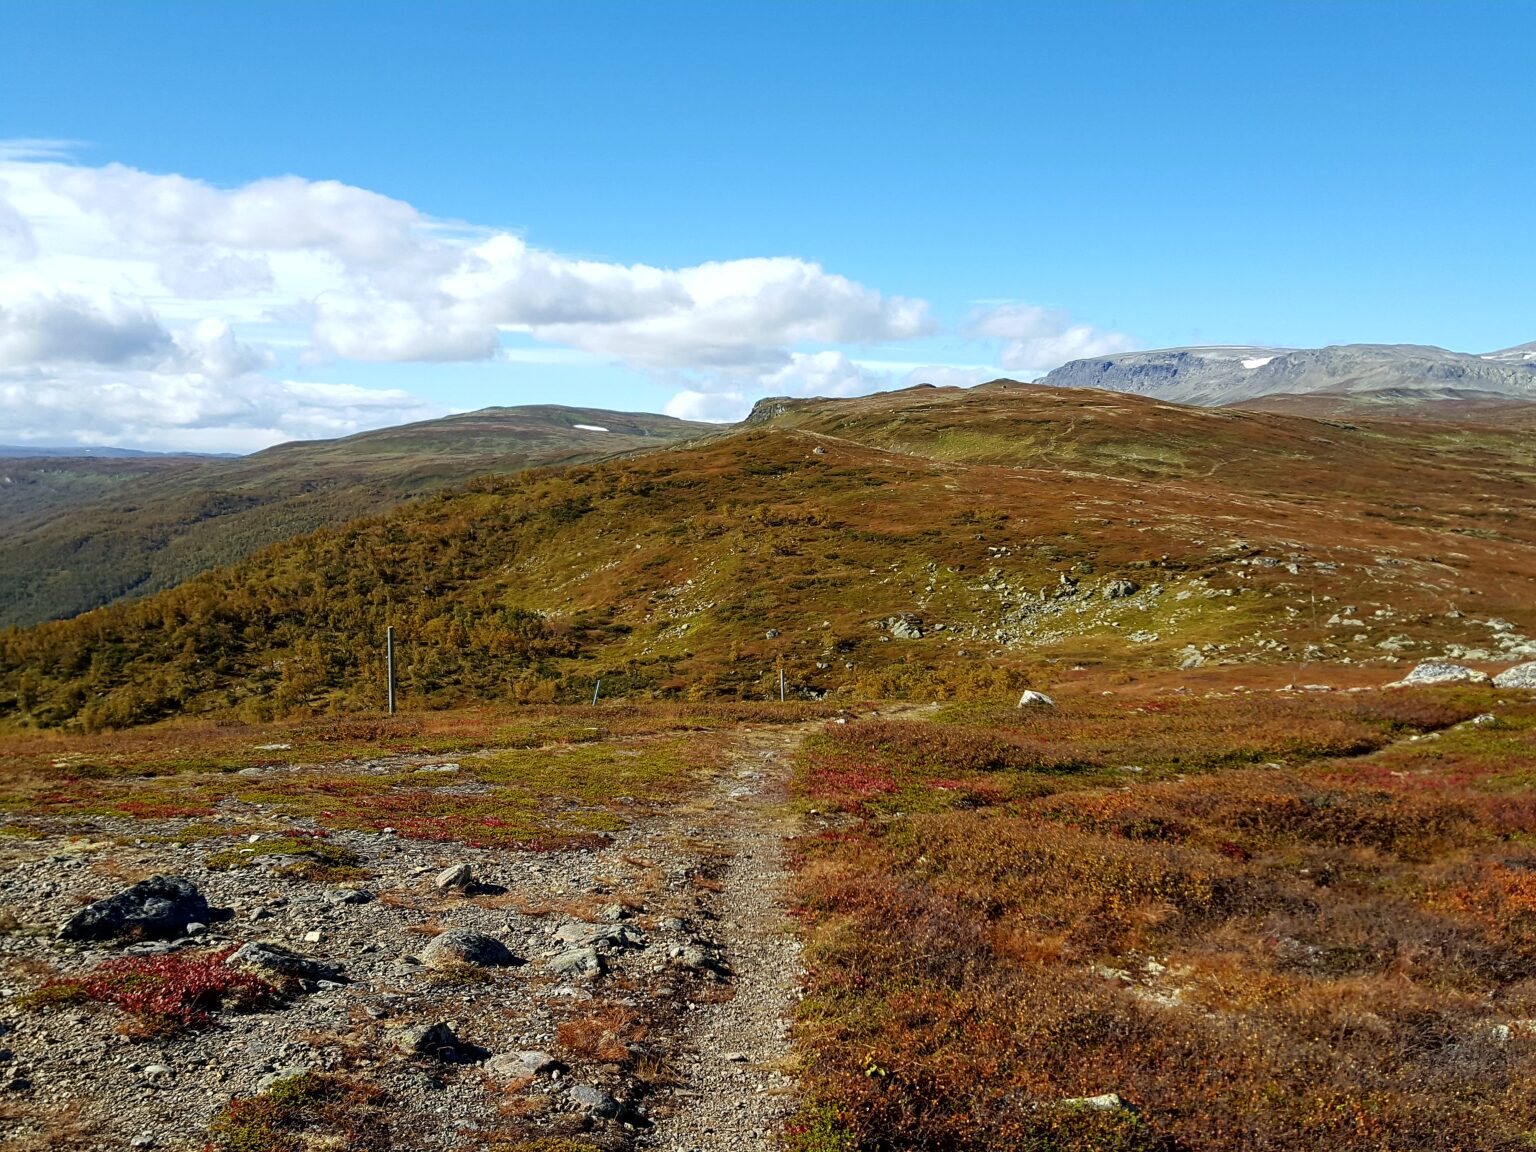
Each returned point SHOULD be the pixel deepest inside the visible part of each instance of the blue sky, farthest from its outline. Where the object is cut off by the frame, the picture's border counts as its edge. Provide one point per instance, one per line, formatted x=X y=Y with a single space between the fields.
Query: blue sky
x=1002 y=185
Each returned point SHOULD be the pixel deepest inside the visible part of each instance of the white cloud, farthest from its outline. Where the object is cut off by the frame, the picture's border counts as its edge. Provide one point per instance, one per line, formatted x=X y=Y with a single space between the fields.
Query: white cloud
x=383 y=282
x=827 y=373
x=152 y=275
x=1035 y=339
x=190 y=411
x=38 y=329
x=119 y=285
x=714 y=407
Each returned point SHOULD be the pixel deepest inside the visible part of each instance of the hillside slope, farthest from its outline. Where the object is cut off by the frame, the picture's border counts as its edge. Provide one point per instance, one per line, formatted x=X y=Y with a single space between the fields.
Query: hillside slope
x=81 y=532
x=913 y=543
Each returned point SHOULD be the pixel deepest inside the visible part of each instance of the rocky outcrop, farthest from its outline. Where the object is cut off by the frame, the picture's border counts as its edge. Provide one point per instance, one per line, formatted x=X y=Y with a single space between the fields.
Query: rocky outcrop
x=1520 y=676
x=158 y=907
x=1226 y=375
x=1441 y=672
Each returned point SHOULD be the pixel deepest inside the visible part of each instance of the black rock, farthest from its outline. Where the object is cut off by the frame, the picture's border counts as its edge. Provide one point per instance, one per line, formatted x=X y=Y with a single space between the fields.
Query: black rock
x=160 y=906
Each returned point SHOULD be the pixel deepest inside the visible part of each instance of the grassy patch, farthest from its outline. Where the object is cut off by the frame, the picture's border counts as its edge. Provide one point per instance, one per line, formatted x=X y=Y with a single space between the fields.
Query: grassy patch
x=301 y=1112
x=314 y=858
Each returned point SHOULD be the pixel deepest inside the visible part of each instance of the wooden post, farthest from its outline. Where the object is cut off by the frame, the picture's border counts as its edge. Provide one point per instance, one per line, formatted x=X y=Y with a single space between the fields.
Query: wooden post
x=389 y=665
x=596 y=688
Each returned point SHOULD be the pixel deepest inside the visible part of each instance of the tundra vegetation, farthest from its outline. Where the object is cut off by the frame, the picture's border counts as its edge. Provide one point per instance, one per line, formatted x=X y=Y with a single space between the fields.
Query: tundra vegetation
x=1230 y=891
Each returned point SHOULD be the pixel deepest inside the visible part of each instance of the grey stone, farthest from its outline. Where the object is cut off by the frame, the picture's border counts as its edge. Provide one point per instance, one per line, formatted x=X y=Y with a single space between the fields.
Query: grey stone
x=595 y=1102
x=516 y=1065
x=1120 y=589
x=461 y=946
x=1107 y=1102
x=1033 y=699
x=454 y=878
x=1441 y=672
x=425 y=1039
x=1520 y=676
x=287 y=1072
x=577 y=961
x=603 y=937
x=273 y=961
x=159 y=906
x=348 y=896
x=697 y=958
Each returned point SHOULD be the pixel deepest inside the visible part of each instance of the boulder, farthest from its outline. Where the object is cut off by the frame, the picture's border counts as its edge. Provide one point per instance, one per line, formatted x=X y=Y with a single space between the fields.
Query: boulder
x=603 y=937
x=160 y=906
x=517 y=1065
x=426 y=1040
x=576 y=962
x=595 y=1102
x=276 y=963
x=1441 y=672
x=1120 y=589
x=461 y=946
x=454 y=878
x=1107 y=1102
x=1520 y=676
x=1033 y=699
x=906 y=627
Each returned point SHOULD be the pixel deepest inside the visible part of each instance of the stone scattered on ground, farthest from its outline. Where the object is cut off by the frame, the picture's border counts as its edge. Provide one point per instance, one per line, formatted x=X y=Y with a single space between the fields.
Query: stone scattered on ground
x=1033 y=699
x=437 y=1039
x=708 y=972
x=516 y=1065
x=1107 y=1102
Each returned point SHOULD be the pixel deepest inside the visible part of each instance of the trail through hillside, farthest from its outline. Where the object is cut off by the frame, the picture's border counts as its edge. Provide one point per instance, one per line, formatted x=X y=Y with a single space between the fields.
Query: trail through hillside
x=737 y=1088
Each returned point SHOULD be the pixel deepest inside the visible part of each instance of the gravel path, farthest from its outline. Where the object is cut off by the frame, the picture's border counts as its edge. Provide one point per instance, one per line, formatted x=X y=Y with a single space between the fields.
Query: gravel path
x=738 y=1091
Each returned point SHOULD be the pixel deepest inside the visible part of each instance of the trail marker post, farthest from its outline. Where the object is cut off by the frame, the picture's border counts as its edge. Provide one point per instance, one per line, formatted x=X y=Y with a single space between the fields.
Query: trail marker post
x=389 y=665
x=781 y=684
x=596 y=688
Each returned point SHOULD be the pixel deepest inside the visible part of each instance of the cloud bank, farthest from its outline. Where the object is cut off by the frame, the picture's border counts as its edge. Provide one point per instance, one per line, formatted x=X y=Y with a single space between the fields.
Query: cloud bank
x=141 y=308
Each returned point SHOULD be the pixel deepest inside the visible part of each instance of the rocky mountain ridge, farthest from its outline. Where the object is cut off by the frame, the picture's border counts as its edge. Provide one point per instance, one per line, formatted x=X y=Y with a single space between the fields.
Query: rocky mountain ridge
x=1216 y=376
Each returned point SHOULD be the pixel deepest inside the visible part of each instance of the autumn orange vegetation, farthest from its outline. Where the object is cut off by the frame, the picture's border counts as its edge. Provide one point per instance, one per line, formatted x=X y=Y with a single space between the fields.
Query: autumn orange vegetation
x=1303 y=922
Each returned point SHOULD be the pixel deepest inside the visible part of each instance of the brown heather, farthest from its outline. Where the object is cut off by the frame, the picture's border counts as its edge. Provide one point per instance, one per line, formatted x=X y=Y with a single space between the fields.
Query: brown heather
x=1284 y=934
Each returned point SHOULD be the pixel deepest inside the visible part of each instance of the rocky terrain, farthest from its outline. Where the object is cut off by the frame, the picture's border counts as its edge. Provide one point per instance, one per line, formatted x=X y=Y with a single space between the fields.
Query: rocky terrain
x=635 y=996
x=1231 y=375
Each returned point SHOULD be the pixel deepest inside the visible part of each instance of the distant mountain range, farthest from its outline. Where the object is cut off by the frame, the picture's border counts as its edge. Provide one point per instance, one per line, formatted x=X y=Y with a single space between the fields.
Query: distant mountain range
x=1380 y=377
x=96 y=451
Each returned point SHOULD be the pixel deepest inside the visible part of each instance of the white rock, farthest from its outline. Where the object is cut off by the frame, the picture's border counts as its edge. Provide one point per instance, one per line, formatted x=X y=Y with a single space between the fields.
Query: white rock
x=456 y=877
x=1033 y=699
x=1520 y=676
x=1441 y=672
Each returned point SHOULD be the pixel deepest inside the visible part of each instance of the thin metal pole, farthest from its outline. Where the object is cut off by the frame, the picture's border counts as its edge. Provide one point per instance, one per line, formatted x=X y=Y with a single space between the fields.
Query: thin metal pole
x=781 y=685
x=596 y=688
x=389 y=665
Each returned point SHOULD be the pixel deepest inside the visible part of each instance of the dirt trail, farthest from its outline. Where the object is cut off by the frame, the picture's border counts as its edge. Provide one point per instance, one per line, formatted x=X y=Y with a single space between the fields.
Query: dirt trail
x=738 y=1091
